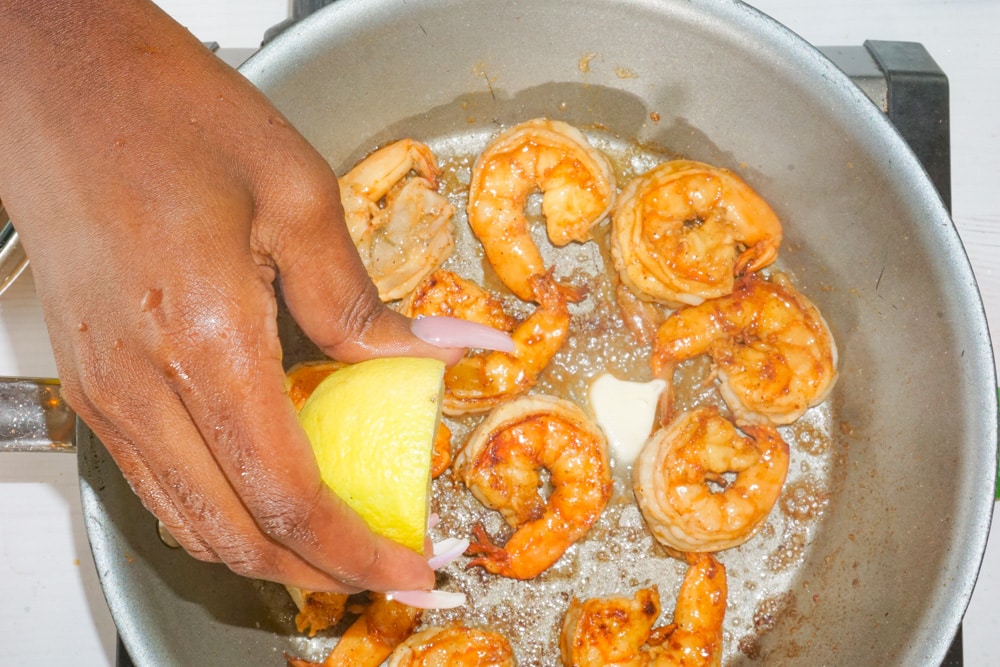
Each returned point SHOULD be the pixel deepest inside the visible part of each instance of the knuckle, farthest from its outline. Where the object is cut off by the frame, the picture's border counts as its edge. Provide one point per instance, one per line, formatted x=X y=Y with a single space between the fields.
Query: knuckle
x=249 y=560
x=311 y=198
x=288 y=518
x=365 y=562
x=199 y=550
x=359 y=318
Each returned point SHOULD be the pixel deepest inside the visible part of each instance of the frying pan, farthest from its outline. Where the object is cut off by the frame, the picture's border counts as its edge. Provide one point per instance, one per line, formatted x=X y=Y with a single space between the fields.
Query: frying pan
x=887 y=574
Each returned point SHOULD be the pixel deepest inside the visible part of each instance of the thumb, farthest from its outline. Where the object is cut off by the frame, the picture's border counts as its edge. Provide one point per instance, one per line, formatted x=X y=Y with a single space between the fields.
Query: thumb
x=331 y=297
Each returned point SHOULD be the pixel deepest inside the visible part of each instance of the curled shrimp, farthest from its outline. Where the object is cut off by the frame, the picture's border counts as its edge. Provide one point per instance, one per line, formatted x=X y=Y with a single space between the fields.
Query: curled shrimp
x=481 y=380
x=619 y=630
x=681 y=484
x=771 y=349
x=577 y=186
x=398 y=221
x=371 y=638
x=500 y=464
x=682 y=231
x=454 y=645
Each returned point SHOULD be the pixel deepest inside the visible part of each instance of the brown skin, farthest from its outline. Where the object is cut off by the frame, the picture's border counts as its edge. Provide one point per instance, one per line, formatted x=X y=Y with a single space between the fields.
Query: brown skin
x=159 y=197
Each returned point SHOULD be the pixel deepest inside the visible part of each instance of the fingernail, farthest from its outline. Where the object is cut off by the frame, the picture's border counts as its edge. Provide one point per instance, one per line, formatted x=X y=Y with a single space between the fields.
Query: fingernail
x=445 y=331
x=446 y=551
x=427 y=599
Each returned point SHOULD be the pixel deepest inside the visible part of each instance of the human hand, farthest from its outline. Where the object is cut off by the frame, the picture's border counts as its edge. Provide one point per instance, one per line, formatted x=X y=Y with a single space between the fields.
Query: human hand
x=159 y=197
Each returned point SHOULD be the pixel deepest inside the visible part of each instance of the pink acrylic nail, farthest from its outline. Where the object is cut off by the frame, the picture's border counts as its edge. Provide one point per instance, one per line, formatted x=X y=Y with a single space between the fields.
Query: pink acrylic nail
x=445 y=331
x=428 y=599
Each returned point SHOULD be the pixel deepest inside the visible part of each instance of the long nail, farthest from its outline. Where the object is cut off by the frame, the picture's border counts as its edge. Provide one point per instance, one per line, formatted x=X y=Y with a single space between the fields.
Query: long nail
x=445 y=331
x=428 y=599
x=446 y=551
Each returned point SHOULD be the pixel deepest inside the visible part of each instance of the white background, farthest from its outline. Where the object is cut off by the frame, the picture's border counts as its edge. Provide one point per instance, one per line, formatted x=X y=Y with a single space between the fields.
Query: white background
x=51 y=608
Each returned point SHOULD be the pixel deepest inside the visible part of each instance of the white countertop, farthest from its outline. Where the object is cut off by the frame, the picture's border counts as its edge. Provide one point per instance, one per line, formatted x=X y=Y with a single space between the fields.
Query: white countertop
x=51 y=608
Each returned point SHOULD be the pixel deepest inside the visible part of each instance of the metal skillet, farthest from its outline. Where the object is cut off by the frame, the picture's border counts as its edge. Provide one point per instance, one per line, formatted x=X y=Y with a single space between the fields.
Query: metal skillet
x=886 y=572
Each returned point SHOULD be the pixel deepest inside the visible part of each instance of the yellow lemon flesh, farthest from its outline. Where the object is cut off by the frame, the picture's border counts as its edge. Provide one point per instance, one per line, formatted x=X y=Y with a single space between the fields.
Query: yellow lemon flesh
x=372 y=427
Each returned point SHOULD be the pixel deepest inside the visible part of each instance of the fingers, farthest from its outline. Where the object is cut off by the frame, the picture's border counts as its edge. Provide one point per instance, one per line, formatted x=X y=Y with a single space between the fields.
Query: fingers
x=257 y=524
x=252 y=490
x=144 y=484
x=194 y=412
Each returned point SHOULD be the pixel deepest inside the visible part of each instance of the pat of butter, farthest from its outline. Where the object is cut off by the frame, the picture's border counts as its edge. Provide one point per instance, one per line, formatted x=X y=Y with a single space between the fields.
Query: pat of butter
x=625 y=412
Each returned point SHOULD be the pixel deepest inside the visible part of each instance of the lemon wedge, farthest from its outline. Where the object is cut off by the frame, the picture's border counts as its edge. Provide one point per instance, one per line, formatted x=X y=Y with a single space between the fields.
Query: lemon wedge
x=372 y=426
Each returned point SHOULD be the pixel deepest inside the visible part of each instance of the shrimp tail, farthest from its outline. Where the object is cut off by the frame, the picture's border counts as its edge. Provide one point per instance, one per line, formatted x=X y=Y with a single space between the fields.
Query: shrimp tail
x=641 y=318
x=489 y=556
x=665 y=407
x=573 y=293
x=757 y=256
x=545 y=289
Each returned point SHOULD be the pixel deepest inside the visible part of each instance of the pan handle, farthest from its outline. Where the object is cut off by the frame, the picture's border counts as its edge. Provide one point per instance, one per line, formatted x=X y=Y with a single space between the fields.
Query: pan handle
x=34 y=417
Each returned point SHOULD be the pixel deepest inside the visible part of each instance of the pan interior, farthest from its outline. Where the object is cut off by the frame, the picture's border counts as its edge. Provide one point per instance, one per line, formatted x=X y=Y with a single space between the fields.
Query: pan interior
x=906 y=457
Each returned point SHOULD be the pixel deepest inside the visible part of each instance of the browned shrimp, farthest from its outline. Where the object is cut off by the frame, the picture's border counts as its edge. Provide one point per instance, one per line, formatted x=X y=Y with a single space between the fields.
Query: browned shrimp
x=500 y=464
x=318 y=610
x=694 y=638
x=609 y=631
x=446 y=293
x=577 y=186
x=619 y=631
x=771 y=349
x=680 y=484
x=481 y=380
x=683 y=230
x=381 y=627
x=441 y=453
x=454 y=646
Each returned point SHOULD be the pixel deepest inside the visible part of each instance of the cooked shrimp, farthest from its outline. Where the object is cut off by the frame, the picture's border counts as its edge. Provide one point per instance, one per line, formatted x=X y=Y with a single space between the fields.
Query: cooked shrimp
x=619 y=631
x=400 y=224
x=609 y=631
x=318 y=610
x=500 y=464
x=577 y=187
x=682 y=231
x=681 y=484
x=454 y=645
x=380 y=628
x=694 y=638
x=481 y=380
x=771 y=349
